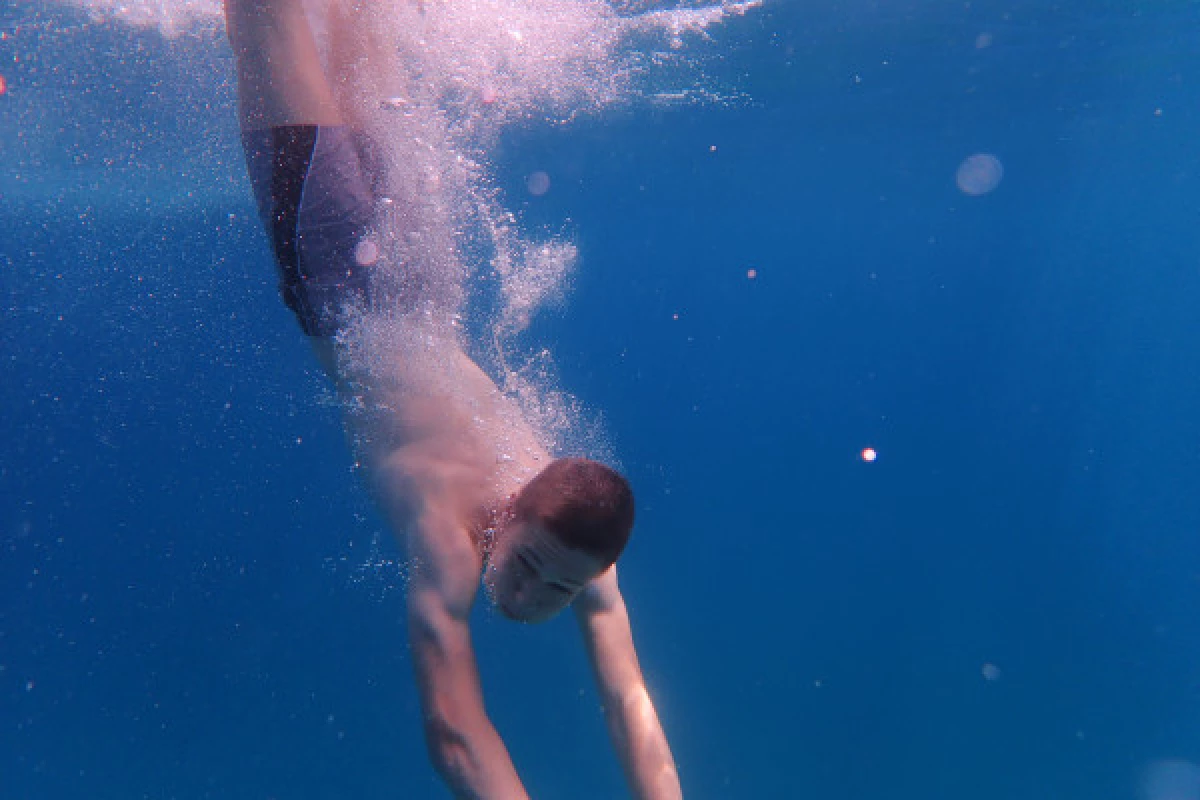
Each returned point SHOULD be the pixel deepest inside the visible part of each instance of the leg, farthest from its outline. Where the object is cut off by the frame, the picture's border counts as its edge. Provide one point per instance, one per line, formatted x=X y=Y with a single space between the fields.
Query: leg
x=280 y=80
x=308 y=183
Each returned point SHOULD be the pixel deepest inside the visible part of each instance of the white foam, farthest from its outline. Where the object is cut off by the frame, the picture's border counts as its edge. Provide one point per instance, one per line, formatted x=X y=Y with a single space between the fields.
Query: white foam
x=171 y=18
x=452 y=75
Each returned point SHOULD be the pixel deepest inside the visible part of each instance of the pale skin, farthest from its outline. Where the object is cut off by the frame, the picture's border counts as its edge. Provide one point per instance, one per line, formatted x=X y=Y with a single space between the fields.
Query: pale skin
x=444 y=454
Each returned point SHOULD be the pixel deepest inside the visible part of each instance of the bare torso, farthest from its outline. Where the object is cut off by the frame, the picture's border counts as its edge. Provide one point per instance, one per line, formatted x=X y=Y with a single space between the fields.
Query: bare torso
x=445 y=438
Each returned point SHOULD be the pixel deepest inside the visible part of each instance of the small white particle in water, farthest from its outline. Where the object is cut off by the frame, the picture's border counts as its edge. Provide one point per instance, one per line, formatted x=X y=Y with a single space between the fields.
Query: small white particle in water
x=983 y=41
x=990 y=672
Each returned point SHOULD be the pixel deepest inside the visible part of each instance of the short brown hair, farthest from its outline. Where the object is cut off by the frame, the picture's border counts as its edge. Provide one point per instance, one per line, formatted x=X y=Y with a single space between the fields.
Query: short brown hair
x=586 y=504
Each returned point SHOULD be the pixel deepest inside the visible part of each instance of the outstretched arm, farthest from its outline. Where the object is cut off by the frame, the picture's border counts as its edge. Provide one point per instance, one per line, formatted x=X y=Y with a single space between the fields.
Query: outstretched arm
x=633 y=724
x=421 y=485
x=463 y=745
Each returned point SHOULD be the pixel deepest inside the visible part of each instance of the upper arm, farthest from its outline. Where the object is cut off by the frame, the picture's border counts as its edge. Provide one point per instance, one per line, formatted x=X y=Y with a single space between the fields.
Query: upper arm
x=444 y=662
x=604 y=624
x=463 y=745
x=440 y=594
x=633 y=723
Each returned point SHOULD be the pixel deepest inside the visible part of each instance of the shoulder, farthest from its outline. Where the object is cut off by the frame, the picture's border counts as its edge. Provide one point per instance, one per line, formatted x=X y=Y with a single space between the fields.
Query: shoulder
x=601 y=594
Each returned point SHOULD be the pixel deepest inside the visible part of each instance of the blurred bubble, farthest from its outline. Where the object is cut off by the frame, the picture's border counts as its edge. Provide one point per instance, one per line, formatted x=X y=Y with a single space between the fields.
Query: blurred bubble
x=990 y=672
x=366 y=252
x=1170 y=779
x=751 y=273
x=538 y=183
x=979 y=174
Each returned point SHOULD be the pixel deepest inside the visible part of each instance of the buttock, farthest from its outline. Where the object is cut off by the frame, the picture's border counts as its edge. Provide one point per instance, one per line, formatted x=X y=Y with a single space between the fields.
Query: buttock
x=312 y=185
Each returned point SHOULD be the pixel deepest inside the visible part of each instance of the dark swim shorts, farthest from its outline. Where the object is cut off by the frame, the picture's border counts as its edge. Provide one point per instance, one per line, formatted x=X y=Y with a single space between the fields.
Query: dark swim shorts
x=315 y=200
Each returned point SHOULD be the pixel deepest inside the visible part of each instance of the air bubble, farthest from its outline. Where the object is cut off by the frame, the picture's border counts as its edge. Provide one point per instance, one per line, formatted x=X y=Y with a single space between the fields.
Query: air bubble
x=979 y=174
x=366 y=253
x=538 y=183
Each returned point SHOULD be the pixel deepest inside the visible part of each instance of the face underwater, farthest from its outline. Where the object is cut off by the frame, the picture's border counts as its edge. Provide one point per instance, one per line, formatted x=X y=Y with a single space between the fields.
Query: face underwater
x=531 y=576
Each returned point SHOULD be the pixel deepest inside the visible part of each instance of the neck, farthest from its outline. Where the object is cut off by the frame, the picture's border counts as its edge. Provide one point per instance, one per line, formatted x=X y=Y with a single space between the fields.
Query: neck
x=492 y=520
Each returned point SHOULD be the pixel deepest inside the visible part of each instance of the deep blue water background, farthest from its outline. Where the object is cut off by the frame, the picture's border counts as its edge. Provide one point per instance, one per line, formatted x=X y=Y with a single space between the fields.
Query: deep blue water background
x=184 y=607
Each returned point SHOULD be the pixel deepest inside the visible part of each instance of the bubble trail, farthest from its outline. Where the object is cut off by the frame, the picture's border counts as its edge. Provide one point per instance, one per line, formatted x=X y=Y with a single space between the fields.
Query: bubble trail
x=433 y=85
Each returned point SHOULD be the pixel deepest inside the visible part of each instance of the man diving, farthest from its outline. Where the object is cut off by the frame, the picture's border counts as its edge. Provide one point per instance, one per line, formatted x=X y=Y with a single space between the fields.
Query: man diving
x=459 y=475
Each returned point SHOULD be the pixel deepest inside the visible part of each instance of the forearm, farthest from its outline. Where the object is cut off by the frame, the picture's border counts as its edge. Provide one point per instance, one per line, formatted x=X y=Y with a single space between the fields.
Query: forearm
x=473 y=761
x=633 y=724
x=641 y=744
x=464 y=746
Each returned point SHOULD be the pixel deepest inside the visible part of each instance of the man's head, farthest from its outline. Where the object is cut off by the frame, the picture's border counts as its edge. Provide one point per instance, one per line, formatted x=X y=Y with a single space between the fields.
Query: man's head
x=565 y=527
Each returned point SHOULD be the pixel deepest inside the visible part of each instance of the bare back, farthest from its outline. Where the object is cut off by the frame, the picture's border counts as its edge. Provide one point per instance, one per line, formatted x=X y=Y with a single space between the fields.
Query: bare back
x=437 y=433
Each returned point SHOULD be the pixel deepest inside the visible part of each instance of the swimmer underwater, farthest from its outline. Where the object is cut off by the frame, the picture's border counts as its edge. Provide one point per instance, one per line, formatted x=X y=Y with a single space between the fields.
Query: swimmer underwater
x=544 y=533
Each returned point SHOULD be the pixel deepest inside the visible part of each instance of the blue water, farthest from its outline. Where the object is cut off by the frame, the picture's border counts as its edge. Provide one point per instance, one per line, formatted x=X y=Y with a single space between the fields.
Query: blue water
x=187 y=606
